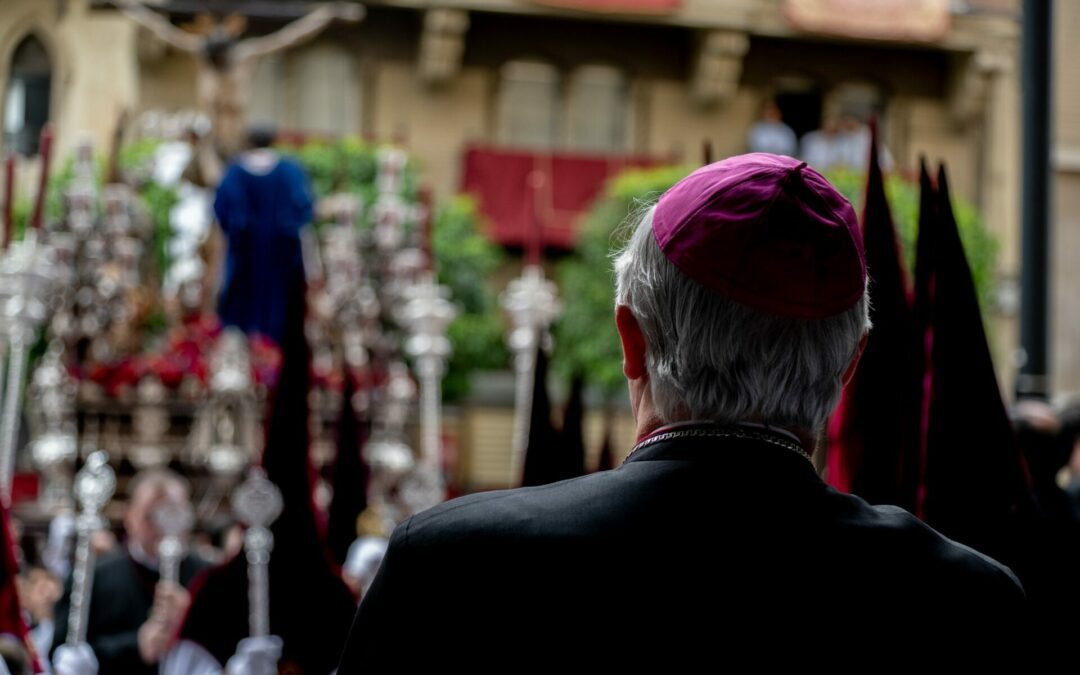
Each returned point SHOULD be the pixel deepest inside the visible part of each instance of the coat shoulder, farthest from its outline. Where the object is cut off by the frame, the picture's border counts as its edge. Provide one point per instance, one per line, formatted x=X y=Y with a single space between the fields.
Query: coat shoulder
x=919 y=546
x=574 y=506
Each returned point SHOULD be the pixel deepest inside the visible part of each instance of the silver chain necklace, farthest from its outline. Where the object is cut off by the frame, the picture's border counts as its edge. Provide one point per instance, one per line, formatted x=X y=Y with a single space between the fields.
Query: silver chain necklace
x=722 y=432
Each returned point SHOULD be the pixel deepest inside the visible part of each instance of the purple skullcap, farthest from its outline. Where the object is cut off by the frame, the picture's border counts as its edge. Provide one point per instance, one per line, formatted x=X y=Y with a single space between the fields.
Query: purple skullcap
x=765 y=231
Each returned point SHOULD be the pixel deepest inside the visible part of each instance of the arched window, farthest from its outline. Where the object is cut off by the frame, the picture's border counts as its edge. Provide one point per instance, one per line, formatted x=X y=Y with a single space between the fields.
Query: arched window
x=327 y=88
x=599 y=109
x=528 y=105
x=26 y=101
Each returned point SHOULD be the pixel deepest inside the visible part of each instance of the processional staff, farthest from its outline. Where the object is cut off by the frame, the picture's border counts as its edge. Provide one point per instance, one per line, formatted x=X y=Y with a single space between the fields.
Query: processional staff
x=257 y=502
x=94 y=487
x=174 y=520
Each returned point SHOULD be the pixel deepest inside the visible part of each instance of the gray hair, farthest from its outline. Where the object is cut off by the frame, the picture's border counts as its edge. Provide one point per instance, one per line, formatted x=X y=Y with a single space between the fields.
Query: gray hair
x=709 y=358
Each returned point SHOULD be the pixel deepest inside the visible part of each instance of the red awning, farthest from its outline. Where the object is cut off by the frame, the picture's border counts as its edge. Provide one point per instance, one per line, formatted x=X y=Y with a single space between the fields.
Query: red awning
x=515 y=189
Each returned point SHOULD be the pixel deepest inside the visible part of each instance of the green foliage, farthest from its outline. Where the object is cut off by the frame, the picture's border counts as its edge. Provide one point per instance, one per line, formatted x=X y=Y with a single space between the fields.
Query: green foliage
x=466 y=262
x=159 y=201
x=20 y=216
x=349 y=166
x=979 y=245
x=138 y=156
x=54 y=194
x=585 y=337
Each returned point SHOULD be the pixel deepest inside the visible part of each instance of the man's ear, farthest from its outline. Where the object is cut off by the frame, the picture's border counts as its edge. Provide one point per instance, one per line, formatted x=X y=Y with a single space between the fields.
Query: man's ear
x=850 y=372
x=633 y=342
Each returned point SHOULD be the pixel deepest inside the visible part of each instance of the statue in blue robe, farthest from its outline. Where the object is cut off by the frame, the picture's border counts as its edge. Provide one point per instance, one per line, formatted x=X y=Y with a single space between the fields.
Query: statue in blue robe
x=262 y=202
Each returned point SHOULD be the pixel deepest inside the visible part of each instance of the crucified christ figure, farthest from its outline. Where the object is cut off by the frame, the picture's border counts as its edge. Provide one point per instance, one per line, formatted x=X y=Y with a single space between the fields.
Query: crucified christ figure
x=226 y=64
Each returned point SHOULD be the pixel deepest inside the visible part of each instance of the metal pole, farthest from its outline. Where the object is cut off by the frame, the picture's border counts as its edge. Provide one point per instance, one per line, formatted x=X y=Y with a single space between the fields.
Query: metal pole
x=1033 y=380
x=431 y=417
x=258 y=543
x=82 y=580
x=94 y=487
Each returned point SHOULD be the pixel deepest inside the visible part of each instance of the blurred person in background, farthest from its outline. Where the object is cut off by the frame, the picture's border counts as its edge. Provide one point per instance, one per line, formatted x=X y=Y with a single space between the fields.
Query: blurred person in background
x=134 y=616
x=39 y=591
x=770 y=134
x=366 y=553
x=261 y=204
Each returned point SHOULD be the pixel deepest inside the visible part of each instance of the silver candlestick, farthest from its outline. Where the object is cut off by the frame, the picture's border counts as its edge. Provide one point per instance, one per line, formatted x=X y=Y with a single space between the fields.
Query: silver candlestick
x=533 y=304
x=227 y=423
x=55 y=444
x=391 y=169
x=81 y=194
x=389 y=456
x=257 y=502
x=427 y=314
x=94 y=487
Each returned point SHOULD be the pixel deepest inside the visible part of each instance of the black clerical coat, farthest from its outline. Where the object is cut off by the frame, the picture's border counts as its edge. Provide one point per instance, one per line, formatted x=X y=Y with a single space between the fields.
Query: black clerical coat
x=706 y=546
x=120 y=603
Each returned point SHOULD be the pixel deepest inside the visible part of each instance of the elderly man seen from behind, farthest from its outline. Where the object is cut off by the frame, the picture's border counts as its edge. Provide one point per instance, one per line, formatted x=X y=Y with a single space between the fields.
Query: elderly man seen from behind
x=742 y=308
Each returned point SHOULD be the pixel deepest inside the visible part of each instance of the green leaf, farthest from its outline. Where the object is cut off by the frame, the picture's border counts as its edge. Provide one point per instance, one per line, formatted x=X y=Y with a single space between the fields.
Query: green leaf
x=466 y=261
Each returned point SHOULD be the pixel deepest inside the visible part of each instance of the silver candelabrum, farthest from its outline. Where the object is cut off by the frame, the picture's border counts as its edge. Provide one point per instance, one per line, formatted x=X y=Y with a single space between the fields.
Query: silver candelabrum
x=81 y=274
x=27 y=274
x=389 y=456
x=55 y=444
x=377 y=303
x=226 y=430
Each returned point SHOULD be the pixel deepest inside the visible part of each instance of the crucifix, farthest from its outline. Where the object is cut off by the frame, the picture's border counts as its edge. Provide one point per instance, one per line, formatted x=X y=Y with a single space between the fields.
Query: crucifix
x=226 y=63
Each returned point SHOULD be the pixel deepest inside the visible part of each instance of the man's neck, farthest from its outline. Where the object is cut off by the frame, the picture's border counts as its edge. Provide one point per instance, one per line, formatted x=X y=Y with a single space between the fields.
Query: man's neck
x=648 y=419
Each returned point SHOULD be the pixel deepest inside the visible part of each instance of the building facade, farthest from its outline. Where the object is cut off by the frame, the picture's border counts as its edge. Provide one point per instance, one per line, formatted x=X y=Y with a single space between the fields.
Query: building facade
x=603 y=81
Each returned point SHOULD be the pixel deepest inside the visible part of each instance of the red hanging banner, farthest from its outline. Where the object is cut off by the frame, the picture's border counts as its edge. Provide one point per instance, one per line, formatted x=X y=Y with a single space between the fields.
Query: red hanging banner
x=536 y=199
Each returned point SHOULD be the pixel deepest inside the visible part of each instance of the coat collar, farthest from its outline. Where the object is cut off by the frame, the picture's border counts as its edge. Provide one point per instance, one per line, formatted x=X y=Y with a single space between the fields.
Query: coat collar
x=747 y=441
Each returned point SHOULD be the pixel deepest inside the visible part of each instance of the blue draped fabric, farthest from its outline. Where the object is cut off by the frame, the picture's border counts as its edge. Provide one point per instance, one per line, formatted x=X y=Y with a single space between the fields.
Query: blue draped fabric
x=261 y=216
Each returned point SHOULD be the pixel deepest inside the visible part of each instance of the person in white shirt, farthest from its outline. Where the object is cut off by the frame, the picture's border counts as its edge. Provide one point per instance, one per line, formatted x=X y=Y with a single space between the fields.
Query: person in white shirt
x=770 y=134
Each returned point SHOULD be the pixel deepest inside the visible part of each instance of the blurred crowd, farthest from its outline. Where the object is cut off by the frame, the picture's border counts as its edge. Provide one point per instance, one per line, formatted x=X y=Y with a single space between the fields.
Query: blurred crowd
x=843 y=141
x=135 y=616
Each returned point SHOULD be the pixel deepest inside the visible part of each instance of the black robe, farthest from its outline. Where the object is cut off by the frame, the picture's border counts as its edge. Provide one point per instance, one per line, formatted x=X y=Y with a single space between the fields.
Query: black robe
x=120 y=603
x=699 y=549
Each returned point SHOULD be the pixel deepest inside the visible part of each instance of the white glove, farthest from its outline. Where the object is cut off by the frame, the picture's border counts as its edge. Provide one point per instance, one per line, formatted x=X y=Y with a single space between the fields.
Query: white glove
x=76 y=659
x=255 y=656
